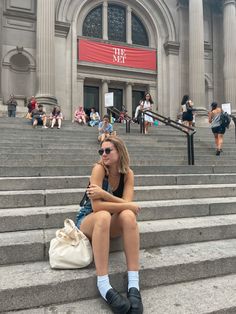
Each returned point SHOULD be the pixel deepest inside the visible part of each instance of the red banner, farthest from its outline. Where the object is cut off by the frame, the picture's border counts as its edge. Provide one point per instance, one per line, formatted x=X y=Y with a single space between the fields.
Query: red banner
x=93 y=51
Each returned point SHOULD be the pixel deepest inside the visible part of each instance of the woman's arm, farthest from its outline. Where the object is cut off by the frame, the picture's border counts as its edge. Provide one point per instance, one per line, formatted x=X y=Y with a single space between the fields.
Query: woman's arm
x=97 y=192
x=102 y=200
x=210 y=117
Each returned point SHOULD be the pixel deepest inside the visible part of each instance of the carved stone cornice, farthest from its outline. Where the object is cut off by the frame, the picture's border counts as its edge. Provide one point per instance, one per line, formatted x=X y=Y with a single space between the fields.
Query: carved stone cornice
x=226 y=2
x=62 y=29
x=171 y=47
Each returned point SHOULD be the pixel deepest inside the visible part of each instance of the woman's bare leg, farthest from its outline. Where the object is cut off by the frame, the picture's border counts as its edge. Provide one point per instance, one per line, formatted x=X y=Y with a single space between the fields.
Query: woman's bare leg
x=59 y=123
x=53 y=122
x=96 y=227
x=125 y=224
x=220 y=141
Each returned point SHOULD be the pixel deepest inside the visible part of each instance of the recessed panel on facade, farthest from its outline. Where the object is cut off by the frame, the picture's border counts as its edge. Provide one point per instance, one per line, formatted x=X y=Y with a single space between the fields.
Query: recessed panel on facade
x=117 y=55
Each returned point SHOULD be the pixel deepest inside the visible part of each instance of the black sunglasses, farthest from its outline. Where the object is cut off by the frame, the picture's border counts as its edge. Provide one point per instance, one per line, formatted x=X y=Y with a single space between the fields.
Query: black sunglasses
x=106 y=150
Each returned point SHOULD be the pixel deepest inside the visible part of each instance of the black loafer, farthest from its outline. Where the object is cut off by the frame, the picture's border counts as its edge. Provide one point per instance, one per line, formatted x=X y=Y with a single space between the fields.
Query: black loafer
x=135 y=300
x=118 y=303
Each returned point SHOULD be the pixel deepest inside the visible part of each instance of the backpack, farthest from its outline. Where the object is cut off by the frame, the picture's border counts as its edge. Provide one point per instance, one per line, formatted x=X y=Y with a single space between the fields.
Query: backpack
x=225 y=119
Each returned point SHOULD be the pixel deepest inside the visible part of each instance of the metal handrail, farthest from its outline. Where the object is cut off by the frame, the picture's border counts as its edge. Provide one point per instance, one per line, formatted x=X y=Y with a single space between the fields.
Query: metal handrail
x=126 y=118
x=189 y=131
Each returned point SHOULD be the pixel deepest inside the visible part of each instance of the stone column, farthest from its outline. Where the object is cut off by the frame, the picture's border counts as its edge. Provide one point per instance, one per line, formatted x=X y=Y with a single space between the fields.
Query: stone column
x=196 y=54
x=45 y=52
x=129 y=25
x=128 y=98
x=229 y=53
x=172 y=72
x=104 y=91
x=104 y=20
x=152 y=89
x=80 y=93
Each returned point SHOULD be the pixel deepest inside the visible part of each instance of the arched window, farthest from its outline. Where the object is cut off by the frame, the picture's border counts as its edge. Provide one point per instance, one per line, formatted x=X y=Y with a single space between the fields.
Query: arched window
x=19 y=62
x=116 y=23
x=92 y=26
x=139 y=34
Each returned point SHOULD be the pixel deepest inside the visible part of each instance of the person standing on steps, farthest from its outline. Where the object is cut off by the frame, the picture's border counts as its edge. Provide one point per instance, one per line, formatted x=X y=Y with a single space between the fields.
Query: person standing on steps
x=217 y=129
x=187 y=109
x=11 y=106
x=110 y=215
x=147 y=104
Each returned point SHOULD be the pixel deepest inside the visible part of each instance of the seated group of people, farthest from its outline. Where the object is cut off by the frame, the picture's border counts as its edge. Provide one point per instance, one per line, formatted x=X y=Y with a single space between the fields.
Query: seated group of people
x=38 y=116
x=105 y=128
x=82 y=118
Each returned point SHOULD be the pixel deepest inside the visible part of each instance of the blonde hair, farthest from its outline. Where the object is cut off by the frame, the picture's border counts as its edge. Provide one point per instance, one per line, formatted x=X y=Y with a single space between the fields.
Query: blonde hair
x=124 y=159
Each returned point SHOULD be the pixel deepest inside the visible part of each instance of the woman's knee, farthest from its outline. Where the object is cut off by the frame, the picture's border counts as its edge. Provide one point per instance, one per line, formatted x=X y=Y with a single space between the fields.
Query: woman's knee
x=128 y=219
x=103 y=219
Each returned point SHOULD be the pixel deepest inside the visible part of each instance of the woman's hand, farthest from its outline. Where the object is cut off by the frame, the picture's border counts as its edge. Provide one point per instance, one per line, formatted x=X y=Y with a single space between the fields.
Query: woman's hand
x=134 y=207
x=95 y=192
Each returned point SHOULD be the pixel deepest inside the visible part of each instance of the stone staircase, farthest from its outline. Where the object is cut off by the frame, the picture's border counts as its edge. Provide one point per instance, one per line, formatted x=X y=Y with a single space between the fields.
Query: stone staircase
x=187 y=223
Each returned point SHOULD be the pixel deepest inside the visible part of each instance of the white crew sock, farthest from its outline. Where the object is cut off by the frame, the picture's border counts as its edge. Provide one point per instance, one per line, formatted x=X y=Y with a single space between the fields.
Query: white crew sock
x=133 y=279
x=103 y=285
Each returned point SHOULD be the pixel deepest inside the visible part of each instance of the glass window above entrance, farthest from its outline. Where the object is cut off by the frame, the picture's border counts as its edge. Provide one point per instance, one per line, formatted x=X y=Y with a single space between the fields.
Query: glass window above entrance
x=116 y=24
x=92 y=26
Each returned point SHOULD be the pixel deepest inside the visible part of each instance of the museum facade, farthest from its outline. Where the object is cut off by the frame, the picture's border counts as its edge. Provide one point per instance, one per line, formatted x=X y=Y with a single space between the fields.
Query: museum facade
x=73 y=52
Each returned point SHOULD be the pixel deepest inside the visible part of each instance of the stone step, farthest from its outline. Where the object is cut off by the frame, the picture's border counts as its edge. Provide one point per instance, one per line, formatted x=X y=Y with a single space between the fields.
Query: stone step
x=67 y=182
x=35 y=198
x=33 y=245
x=154 y=160
x=213 y=295
x=35 y=284
x=135 y=161
x=9 y=171
x=46 y=217
x=134 y=150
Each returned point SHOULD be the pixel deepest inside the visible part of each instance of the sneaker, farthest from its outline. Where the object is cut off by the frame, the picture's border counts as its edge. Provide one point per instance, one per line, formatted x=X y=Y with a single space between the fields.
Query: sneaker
x=218 y=152
x=44 y=127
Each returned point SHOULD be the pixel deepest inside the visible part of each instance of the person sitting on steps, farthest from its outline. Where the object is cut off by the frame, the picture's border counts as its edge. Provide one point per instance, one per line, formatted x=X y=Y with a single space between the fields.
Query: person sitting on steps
x=113 y=215
x=56 y=117
x=39 y=117
x=80 y=116
x=105 y=128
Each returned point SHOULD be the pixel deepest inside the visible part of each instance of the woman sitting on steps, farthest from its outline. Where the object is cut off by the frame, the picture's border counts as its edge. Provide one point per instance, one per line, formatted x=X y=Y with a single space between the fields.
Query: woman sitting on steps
x=110 y=216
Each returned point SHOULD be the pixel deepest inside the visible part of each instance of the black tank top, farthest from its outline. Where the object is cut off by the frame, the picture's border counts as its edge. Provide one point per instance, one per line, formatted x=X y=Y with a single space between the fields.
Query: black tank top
x=119 y=191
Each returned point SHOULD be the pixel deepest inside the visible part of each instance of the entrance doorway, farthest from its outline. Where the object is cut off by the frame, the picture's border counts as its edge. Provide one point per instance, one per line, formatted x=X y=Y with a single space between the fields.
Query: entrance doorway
x=118 y=97
x=91 y=98
x=137 y=95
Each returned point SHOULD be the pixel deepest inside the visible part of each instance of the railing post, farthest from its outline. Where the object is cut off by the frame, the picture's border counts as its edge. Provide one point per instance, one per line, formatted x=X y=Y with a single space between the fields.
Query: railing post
x=127 y=125
x=192 y=149
x=142 y=123
x=189 y=149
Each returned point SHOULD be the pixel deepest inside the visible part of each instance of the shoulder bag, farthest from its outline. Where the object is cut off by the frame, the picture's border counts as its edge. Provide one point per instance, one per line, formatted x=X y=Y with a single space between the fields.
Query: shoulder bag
x=70 y=248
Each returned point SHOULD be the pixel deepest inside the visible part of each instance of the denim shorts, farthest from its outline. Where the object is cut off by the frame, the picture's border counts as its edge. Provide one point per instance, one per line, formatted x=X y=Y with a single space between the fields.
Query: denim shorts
x=82 y=213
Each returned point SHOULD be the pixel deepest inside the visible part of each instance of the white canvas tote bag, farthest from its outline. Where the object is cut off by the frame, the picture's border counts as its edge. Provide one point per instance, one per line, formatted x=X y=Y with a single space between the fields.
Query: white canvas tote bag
x=70 y=249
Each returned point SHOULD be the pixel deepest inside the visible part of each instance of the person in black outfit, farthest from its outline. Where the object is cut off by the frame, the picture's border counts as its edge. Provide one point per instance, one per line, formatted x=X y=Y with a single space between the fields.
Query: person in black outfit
x=113 y=215
x=187 y=109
